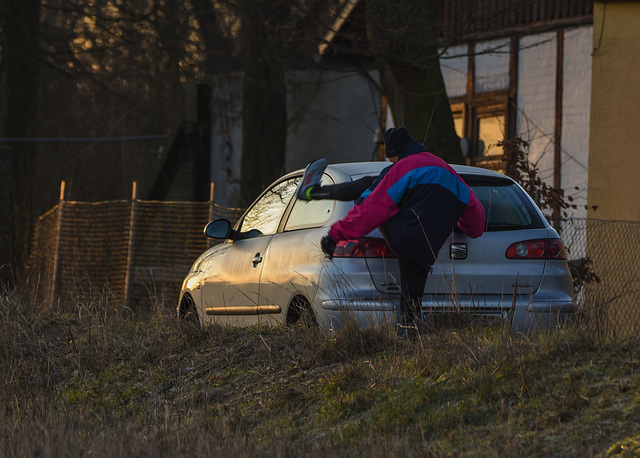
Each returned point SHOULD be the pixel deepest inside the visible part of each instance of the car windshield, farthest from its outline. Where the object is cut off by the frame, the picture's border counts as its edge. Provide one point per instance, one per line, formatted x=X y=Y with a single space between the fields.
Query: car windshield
x=506 y=206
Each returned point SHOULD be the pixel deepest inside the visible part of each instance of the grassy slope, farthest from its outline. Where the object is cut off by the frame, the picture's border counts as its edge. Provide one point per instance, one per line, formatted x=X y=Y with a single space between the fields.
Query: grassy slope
x=97 y=381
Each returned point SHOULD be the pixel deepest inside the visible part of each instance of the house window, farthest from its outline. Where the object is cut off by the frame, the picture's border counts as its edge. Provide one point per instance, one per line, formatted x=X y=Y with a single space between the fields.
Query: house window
x=481 y=115
x=481 y=128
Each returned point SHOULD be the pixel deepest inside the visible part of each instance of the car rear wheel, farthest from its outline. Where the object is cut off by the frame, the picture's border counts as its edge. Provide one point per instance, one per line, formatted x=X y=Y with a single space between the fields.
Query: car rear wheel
x=300 y=312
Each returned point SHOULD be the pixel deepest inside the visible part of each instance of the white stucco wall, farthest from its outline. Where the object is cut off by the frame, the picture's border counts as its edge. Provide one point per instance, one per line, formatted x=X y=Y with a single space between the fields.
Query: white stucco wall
x=576 y=105
x=536 y=99
x=536 y=105
x=454 y=65
x=333 y=115
x=226 y=138
x=492 y=65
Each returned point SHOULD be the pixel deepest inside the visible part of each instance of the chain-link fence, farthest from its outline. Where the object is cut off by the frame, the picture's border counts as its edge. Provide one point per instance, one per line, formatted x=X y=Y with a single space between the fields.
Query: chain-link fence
x=604 y=258
x=132 y=251
x=136 y=251
x=613 y=291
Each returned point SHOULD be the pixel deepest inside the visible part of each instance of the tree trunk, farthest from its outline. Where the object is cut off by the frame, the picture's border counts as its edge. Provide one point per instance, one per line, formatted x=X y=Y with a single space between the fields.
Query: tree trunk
x=264 y=111
x=217 y=48
x=19 y=119
x=402 y=36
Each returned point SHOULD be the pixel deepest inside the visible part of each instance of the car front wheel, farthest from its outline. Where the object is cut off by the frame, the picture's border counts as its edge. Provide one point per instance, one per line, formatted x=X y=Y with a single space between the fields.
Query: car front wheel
x=188 y=310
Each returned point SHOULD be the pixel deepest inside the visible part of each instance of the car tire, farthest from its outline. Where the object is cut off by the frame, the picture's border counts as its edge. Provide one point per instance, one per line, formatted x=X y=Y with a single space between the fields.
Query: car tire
x=301 y=312
x=189 y=311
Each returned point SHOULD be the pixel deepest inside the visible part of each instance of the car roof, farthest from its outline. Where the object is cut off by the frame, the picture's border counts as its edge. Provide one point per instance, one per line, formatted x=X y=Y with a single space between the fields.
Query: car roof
x=356 y=169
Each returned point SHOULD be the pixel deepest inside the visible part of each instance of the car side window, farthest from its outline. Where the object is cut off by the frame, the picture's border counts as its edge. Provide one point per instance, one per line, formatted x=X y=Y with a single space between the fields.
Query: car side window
x=264 y=216
x=311 y=214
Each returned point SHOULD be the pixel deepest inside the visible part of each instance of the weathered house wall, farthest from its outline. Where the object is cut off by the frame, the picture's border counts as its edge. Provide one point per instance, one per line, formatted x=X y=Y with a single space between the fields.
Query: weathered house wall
x=537 y=89
x=576 y=103
x=615 y=111
x=614 y=162
x=330 y=114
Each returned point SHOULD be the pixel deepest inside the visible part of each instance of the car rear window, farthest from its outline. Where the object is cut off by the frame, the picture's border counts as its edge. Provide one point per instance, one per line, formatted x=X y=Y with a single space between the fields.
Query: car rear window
x=506 y=206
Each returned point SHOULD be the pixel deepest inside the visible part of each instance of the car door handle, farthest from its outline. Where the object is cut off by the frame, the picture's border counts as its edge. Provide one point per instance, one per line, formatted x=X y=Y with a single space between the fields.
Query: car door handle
x=257 y=259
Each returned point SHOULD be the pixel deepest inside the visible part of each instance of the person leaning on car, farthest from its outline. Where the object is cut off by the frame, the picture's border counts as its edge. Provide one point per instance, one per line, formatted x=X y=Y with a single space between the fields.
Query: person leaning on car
x=415 y=202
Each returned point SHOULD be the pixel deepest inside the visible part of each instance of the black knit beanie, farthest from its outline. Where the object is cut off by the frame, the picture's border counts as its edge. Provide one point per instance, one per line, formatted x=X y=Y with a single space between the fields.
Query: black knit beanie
x=395 y=139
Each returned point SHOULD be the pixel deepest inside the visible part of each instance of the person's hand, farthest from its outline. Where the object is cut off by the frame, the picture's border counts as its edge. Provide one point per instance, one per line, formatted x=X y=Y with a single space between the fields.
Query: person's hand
x=328 y=245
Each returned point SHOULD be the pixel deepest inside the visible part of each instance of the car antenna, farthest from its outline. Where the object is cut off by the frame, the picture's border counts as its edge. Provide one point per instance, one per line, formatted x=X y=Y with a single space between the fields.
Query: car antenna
x=428 y=126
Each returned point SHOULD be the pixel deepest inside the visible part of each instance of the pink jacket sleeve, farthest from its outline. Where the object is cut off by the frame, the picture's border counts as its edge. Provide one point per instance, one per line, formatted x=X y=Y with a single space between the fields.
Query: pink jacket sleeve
x=377 y=208
x=472 y=221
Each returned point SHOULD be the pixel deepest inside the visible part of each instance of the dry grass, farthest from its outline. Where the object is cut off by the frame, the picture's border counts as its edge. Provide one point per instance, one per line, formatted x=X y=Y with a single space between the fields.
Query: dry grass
x=94 y=379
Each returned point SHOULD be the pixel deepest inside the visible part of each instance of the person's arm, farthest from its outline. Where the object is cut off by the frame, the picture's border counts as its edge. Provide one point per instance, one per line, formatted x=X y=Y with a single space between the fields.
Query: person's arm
x=373 y=185
x=348 y=191
x=374 y=209
x=472 y=220
x=363 y=218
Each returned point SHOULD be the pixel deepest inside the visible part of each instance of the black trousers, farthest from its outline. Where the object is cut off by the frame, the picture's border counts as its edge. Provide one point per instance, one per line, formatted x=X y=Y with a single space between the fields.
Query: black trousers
x=413 y=277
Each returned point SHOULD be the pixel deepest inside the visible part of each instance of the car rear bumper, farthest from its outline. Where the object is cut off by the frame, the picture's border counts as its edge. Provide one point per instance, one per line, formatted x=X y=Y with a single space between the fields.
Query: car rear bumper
x=525 y=313
x=533 y=320
x=528 y=316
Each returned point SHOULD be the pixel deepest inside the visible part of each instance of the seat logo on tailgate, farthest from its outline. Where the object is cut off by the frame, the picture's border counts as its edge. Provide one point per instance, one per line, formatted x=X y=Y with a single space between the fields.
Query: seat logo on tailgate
x=458 y=251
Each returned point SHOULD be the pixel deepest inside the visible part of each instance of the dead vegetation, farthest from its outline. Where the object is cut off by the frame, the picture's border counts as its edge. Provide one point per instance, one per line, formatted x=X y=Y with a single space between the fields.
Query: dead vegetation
x=94 y=379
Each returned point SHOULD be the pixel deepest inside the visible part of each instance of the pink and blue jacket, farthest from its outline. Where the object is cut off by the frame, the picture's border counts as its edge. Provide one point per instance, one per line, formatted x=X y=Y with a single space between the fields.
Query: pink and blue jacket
x=415 y=203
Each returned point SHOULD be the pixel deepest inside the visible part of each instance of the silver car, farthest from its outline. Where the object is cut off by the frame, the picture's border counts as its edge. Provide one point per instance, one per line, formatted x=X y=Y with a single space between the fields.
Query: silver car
x=269 y=268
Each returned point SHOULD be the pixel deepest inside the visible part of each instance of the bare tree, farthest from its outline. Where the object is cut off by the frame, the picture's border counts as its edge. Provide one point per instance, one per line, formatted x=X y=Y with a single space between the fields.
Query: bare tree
x=402 y=36
x=263 y=39
x=113 y=70
x=264 y=112
x=86 y=69
x=20 y=26
x=117 y=68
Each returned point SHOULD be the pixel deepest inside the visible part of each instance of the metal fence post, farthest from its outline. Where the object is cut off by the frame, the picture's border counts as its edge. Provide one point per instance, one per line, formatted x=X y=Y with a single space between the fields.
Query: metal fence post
x=56 y=256
x=132 y=231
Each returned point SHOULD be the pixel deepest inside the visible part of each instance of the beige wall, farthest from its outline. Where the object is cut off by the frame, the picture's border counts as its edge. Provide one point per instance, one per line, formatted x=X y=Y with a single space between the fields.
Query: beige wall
x=614 y=150
x=614 y=167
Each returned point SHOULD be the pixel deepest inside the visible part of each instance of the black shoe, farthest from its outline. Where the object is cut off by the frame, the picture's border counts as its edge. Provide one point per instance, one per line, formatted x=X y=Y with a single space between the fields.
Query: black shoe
x=312 y=175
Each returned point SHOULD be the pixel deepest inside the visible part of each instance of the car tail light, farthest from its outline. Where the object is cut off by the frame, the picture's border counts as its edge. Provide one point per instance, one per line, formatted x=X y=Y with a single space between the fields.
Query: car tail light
x=368 y=247
x=537 y=249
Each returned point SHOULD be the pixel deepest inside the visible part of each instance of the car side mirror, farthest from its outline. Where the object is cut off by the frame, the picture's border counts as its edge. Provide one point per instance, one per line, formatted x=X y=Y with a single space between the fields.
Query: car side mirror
x=218 y=229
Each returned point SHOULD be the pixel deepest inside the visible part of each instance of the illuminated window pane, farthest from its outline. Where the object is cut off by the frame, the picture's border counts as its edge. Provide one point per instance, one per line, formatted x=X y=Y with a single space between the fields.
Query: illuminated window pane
x=459 y=125
x=491 y=131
